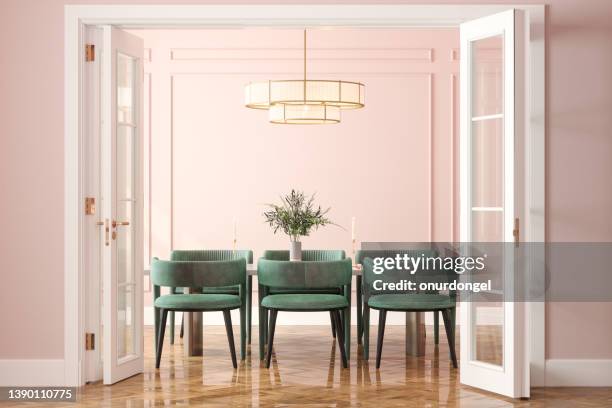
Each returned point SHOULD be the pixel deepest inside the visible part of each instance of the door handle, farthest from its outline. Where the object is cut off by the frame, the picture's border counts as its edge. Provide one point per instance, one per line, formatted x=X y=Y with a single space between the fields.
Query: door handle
x=106 y=230
x=516 y=232
x=118 y=224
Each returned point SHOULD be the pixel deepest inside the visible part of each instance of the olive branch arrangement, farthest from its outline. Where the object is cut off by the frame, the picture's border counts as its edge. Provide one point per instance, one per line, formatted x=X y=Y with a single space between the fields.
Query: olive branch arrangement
x=297 y=215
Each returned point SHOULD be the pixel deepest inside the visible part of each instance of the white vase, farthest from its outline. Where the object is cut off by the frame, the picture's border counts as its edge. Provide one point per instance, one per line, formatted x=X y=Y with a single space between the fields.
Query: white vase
x=295 y=253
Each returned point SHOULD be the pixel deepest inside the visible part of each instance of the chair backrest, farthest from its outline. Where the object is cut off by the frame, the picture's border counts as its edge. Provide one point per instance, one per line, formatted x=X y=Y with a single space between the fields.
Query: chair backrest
x=304 y=274
x=307 y=255
x=211 y=255
x=198 y=274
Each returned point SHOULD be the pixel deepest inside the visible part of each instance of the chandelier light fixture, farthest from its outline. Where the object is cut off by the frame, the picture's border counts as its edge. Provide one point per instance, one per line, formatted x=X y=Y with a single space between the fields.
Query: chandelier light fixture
x=304 y=101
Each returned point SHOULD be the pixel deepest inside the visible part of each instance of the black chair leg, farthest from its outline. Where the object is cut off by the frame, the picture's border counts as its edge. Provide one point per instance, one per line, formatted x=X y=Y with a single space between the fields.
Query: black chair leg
x=172 y=322
x=160 y=338
x=182 y=325
x=273 y=314
x=366 y=332
x=340 y=336
x=333 y=325
x=382 y=318
x=450 y=335
x=436 y=315
x=230 y=336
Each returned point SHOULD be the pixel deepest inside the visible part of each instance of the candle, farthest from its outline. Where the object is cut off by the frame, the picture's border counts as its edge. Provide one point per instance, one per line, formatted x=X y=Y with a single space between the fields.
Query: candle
x=353 y=228
x=235 y=228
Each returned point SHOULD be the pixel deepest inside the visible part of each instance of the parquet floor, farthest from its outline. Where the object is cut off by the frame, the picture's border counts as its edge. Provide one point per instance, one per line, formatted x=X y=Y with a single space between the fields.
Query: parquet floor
x=306 y=372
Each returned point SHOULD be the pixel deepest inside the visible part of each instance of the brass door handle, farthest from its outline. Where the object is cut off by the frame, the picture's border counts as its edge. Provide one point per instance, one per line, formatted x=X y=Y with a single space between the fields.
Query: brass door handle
x=106 y=230
x=118 y=224
x=516 y=232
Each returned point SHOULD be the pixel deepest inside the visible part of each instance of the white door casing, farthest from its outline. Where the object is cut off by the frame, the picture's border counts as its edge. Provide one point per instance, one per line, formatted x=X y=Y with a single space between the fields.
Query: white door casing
x=78 y=17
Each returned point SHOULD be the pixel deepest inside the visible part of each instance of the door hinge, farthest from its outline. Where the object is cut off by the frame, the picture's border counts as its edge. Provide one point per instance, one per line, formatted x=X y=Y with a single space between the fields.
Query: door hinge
x=90 y=205
x=90 y=341
x=90 y=52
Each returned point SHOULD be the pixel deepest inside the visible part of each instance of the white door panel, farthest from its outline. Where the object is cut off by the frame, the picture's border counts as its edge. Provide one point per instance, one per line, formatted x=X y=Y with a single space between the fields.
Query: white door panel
x=491 y=122
x=122 y=205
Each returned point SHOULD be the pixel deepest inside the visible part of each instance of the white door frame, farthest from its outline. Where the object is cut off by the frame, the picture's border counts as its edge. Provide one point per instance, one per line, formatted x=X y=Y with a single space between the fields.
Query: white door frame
x=238 y=16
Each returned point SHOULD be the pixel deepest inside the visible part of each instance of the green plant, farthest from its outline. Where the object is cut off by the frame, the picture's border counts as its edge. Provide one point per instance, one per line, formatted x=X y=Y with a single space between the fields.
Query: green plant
x=297 y=215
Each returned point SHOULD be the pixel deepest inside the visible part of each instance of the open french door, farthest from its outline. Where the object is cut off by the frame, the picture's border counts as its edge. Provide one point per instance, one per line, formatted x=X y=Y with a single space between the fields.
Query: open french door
x=493 y=352
x=122 y=205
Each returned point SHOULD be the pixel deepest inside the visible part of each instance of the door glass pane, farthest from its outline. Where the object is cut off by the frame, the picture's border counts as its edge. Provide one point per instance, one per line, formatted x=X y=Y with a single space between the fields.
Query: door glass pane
x=488 y=331
x=125 y=173
x=487 y=76
x=487 y=181
x=125 y=88
x=488 y=164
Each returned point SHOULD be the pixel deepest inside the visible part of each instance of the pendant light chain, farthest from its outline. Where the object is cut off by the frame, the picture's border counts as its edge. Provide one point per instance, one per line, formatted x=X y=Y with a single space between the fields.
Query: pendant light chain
x=304 y=65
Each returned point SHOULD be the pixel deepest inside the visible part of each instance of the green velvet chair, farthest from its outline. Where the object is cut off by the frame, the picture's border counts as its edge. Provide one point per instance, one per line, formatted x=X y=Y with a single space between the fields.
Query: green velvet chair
x=385 y=301
x=307 y=277
x=215 y=255
x=383 y=253
x=307 y=255
x=198 y=275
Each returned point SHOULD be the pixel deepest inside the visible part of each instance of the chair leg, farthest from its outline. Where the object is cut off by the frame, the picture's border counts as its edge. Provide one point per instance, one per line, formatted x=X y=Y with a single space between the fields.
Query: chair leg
x=160 y=337
x=182 y=325
x=333 y=325
x=261 y=323
x=243 y=331
x=249 y=307
x=358 y=300
x=340 y=336
x=446 y=315
x=366 y=332
x=172 y=322
x=156 y=318
x=453 y=316
x=381 y=335
x=273 y=314
x=230 y=335
x=436 y=315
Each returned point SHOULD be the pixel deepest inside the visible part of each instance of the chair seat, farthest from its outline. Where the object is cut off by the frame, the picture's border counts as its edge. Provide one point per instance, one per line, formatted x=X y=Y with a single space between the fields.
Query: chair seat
x=198 y=302
x=306 y=301
x=415 y=301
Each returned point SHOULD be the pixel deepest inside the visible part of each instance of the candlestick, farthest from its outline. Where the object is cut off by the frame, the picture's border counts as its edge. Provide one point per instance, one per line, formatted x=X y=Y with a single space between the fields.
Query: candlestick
x=353 y=229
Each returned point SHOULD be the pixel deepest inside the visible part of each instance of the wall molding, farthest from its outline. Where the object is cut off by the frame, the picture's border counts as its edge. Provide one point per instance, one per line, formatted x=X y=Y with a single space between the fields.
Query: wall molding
x=578 y=373
x=295 y=53
x=32 y=373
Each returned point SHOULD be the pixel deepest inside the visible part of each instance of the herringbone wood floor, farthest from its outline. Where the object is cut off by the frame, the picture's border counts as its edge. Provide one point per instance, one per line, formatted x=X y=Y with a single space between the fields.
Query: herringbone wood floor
x=306 y=373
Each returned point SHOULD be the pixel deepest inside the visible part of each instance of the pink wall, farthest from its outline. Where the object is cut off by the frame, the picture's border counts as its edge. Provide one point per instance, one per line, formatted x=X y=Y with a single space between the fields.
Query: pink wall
x=578 y=195
x=389 y=164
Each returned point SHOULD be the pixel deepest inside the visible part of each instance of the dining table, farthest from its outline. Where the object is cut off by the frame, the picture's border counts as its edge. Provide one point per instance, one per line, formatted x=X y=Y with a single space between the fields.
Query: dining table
x=415 y=321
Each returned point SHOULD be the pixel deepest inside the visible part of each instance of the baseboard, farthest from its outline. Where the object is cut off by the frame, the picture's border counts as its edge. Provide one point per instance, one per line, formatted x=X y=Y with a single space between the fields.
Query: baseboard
x=578 y=373
x=32 y=373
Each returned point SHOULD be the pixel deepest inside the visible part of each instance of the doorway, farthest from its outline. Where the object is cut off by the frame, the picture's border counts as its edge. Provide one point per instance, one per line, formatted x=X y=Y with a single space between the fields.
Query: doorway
x=381 y=18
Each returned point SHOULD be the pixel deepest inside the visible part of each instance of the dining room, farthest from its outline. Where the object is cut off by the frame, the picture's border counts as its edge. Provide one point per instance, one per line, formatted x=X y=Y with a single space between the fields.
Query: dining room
x=257 y=177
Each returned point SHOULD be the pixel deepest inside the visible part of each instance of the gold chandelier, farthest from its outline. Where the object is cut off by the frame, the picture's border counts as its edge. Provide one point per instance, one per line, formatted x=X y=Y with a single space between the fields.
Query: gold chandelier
x=304 y=101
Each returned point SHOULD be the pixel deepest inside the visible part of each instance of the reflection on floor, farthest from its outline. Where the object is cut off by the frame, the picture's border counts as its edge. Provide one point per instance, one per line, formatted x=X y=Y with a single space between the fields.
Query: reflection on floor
x=306 y=373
